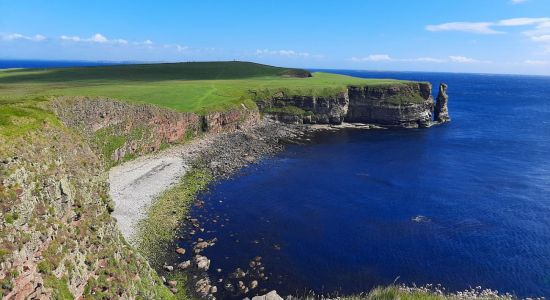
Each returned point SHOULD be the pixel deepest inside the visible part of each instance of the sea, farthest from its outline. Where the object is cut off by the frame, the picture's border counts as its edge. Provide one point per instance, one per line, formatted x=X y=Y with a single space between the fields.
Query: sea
x=465 y=204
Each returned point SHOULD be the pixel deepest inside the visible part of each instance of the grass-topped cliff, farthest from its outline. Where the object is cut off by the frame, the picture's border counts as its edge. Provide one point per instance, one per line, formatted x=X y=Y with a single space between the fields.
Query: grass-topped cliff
x=190 y=87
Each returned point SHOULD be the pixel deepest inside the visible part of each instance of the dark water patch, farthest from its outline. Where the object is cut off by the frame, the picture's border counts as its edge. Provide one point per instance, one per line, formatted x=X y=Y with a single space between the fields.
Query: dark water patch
x=338 y=214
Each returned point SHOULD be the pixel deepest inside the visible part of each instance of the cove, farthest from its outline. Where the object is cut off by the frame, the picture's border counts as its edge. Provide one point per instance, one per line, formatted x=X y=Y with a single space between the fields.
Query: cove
x=463 y=204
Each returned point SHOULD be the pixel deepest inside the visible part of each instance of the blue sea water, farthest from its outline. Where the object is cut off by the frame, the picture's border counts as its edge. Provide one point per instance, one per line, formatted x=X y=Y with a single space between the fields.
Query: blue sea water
x=335 y=215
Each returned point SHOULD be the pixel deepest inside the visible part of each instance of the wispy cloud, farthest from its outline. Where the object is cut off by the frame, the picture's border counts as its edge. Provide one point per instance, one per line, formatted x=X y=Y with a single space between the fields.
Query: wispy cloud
x=18 y=36
x=486 y=27
x=471 y=27
x=518 y=1
x=388 y=58
x=537 y=62
x=96 y=38
x=286 y=53
x=538 y=28
x=466 y=60
x=521 y=21
x=374 y=57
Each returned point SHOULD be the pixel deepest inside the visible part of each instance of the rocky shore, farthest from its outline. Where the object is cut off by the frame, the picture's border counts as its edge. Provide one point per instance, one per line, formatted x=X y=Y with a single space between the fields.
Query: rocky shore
x=136 y=187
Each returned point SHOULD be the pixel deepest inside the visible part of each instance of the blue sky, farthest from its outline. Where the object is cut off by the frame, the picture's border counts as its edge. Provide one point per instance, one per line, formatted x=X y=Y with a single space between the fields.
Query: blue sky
x=489 y=36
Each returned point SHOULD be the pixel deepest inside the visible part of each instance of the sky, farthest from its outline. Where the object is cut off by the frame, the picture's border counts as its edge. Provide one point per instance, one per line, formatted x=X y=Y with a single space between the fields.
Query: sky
x=479 y=36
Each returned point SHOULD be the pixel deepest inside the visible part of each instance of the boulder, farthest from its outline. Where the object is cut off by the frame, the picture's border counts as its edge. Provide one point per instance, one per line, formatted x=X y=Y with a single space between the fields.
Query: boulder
x=269 y=296
x=202 y=262
x=184 y=265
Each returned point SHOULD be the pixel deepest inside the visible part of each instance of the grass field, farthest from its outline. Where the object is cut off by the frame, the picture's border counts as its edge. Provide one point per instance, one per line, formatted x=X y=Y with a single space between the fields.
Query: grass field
x=193 y=87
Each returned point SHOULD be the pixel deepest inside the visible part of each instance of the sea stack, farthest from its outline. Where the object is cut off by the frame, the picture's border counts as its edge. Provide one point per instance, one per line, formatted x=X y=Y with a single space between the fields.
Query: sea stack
x=441 y=112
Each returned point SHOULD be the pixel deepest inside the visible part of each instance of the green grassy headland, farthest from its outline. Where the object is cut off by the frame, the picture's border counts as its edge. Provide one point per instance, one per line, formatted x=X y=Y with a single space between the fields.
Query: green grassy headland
x=199 y=87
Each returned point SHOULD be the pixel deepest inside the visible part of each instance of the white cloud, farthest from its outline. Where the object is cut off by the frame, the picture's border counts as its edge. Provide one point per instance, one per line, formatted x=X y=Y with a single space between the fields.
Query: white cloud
x=461 y=59
x=96 y=38
x=388 y=58
x=521 y=21
x=287 y=53
x=374 y=57
x=18 y=36
x=181 y=48
x=471 y=27
x=537 y=62
x=429 y=59
x=466 y=60
x=541 y=38
x=518 y=1
x=70 y=38
x=488 y=27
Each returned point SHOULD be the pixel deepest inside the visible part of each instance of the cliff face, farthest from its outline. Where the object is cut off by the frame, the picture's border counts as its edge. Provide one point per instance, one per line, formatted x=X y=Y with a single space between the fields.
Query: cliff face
x=307 y=109
x=407 y=105
x=119 y=131
x=58 y=239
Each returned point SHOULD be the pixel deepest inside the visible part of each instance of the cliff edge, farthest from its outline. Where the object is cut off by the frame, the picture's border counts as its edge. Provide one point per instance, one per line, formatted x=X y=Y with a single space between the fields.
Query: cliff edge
x=401 y=104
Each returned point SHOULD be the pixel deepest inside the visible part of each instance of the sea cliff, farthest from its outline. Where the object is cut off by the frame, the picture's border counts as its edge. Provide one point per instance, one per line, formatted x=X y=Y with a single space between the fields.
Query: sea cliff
x=408 y=105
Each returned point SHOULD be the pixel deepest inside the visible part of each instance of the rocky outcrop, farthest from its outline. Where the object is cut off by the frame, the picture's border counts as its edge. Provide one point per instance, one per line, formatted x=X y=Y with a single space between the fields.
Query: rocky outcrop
x=119 y=130
x=403 y=104
x=230 y=121
x=306 y=109
x=269 y=296
x=441 y=110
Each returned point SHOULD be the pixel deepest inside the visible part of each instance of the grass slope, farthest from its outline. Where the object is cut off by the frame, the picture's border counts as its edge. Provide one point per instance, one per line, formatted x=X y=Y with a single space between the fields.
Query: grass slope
x=193 y=87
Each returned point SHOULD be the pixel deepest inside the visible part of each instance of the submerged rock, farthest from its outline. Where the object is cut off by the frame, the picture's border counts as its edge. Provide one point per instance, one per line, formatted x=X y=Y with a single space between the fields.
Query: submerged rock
x=239 y=273
x=202 y=262
x=253 y=284
x=203 y=286
x=184 y=265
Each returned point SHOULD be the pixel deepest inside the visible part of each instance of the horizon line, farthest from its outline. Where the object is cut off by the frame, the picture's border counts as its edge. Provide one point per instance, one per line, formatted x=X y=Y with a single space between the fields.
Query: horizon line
x=135 y=62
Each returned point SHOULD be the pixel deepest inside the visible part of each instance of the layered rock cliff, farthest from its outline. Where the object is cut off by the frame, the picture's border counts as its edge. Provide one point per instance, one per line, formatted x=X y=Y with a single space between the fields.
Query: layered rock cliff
x=119 y=131
x=408 y=104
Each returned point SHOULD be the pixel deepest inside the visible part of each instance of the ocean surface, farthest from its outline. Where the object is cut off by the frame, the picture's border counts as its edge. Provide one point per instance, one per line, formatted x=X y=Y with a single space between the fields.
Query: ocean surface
x=338 y=215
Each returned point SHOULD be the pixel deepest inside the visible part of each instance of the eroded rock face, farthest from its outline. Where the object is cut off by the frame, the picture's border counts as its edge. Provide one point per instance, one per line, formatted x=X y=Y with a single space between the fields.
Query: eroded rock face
x=407 y=105
x=122 y=130
x=318 y=110
x=441 y=110
x=403 y=105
